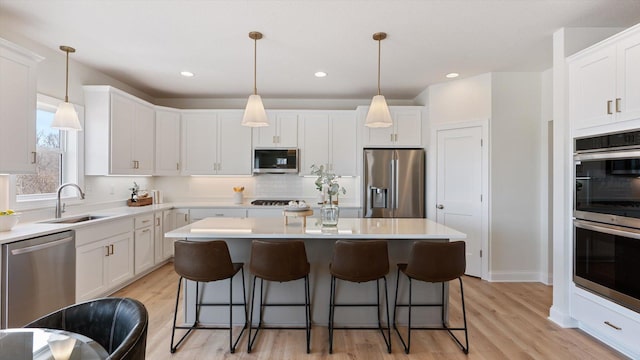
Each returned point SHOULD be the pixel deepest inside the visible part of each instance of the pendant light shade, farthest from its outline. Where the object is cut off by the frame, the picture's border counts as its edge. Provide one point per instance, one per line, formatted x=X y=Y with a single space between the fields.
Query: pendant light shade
x=378 y=115
x=66 y=117
x=254 y=114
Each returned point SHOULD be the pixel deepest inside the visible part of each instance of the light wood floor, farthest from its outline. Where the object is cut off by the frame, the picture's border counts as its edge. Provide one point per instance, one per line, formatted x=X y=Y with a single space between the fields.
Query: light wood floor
x=506 y=321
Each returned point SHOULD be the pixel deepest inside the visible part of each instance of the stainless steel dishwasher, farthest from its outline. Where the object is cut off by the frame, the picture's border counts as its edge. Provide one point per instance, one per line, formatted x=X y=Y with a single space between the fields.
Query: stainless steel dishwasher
x=38 y=277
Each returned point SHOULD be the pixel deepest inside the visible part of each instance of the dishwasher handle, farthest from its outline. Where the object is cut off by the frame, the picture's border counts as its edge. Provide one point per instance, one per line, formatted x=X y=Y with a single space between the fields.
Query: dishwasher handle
x=34 y=248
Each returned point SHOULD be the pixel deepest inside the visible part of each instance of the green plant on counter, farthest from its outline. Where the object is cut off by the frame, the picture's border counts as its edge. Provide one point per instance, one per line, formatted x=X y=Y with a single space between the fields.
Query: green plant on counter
x=327 y=179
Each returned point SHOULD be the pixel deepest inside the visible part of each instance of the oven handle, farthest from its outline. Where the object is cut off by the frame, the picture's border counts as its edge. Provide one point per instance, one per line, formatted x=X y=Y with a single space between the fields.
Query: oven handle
x=608 y=229
x=608 y=155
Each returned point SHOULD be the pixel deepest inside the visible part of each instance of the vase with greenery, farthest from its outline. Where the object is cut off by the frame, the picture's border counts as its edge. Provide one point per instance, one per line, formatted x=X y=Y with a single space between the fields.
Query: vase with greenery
x=328 y=181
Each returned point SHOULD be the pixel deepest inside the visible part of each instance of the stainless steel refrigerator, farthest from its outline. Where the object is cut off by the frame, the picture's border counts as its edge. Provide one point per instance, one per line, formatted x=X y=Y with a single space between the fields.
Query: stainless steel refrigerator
x=393 y=183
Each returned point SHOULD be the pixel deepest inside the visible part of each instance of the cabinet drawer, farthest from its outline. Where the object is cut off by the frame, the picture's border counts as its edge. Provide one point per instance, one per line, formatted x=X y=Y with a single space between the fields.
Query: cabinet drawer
x=93 y=233
x=199 y=214
x=607 y=324
x=143 y=221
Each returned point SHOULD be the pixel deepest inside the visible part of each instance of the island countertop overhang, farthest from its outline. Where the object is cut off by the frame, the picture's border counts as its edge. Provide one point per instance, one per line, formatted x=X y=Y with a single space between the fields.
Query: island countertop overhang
x=348 y=228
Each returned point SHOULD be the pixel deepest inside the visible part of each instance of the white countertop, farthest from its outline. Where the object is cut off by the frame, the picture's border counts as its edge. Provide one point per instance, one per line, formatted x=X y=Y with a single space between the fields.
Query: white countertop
x=348 y=228
x=38 y=228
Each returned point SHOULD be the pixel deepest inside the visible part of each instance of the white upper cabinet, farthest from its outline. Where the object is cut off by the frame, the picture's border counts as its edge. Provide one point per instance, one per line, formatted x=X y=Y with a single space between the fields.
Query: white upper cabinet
x=604 y=82
x=281 y=133
x=215 y=143
x=167 y=142
x=18 y=80
x=119 y=133
x=328 y=138
x=405 y=131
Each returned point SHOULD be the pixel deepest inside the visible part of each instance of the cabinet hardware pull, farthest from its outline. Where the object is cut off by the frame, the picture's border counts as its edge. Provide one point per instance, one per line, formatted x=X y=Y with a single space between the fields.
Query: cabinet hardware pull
x=618 y=100
x=33 y=157
x=273 y=139
x=613 y=326
x=177 y=166
x=440 y=206
x=107 y=247
x=157 y=221
x=395 y=137
x=111 y=246
x=145 y=221
x=391 y=136
x=145 y=230
x=185 y=217
x=609 y=102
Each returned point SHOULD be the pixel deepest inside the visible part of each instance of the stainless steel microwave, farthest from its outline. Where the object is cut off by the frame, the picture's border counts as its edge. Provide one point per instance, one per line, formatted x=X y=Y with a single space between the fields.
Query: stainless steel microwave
x=275 y=161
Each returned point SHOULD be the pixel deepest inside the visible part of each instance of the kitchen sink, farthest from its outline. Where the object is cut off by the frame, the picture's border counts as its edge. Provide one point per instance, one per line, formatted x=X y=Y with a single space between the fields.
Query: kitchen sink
x=74 y=220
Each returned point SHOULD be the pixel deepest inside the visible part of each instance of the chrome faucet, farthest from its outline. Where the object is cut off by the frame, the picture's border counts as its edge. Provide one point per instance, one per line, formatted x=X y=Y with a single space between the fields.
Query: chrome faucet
x=58 y=207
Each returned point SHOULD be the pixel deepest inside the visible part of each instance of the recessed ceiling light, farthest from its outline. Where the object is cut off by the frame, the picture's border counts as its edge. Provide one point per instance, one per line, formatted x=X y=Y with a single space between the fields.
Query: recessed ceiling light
x=186 y=73
x=320 y=74
x=452 y=75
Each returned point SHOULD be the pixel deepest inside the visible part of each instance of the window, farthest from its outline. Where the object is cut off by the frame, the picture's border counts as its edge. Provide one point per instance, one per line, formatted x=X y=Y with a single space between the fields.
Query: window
x=57 y=160
x=49 y=159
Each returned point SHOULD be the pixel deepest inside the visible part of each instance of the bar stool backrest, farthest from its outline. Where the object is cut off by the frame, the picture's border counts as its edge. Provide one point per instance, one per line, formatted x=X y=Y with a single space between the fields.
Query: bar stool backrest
x=279 y=260
x=360 y=260
x=432 y=261
x=203 y=260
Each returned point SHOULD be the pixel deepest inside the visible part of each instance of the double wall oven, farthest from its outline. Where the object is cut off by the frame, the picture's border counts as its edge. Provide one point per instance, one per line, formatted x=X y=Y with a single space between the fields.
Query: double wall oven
x=607 y=216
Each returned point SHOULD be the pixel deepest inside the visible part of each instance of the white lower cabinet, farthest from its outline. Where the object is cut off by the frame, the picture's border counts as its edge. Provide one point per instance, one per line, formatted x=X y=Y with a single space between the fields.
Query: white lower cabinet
x=611 y=323
x=104 y=258
x=144 y=243
x=158 y=237
x=172 y=219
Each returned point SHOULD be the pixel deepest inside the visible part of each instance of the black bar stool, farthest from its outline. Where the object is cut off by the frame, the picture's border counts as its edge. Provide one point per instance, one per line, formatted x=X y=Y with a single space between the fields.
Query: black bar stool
x=360 y=261
x=201 y=262
x=434 y=262
x=280 y=261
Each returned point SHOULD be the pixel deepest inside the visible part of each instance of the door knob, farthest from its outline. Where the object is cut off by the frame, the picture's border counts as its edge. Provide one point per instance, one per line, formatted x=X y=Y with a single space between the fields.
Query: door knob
x=440 y=206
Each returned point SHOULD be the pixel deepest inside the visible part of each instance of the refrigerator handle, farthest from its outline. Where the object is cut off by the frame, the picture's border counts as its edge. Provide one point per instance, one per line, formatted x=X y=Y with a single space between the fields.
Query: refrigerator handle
x=394 y=185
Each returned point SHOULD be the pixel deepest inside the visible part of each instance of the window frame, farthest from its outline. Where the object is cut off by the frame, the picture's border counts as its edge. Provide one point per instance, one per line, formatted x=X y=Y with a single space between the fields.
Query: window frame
x=72 y=143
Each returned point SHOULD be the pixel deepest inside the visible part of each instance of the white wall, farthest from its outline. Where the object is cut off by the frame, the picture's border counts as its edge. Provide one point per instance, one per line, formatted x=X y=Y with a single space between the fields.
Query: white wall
x=512 y=102
x=546 y=178
x=460 y=100
x=514 y=179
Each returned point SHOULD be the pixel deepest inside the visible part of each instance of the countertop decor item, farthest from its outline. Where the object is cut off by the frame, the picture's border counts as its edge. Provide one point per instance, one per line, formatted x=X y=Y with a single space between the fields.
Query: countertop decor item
x=238 y=194
x=328 y=181
x=8 y=219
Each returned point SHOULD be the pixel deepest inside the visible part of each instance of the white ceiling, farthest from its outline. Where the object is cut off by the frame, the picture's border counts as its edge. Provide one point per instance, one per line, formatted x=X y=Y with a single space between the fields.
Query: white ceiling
x=147 y=43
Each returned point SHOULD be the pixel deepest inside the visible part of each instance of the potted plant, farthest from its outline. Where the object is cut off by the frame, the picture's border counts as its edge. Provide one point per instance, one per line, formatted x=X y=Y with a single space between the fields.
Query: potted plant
x=328 y=181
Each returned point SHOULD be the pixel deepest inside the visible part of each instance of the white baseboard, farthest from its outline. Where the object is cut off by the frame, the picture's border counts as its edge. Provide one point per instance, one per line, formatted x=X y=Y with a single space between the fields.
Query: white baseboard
x=561 y=318
x=514 y=276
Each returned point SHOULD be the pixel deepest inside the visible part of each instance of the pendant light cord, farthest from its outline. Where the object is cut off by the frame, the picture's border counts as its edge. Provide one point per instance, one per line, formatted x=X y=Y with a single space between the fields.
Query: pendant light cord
x=255 y=66
x=66 y=84
x=379 y=66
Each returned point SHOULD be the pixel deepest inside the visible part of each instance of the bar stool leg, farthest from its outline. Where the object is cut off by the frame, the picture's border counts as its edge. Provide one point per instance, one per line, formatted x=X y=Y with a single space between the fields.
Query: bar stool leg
x=253 y=293
x=175 y=316
x=386 y=305
x=331 y=312
x=307 y=312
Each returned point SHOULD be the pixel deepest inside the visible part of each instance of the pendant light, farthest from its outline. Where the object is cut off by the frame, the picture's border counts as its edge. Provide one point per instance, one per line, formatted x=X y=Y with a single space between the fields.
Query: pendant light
x=66 y=117
x=378 y=115
x=254 y=114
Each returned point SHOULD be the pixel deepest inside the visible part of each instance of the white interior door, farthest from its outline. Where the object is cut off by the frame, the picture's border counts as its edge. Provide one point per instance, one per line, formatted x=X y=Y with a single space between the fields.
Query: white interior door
x=459 y=188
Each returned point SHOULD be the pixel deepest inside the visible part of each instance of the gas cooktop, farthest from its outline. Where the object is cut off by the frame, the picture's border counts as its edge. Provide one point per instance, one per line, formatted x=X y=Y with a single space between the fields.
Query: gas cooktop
x=270 y=202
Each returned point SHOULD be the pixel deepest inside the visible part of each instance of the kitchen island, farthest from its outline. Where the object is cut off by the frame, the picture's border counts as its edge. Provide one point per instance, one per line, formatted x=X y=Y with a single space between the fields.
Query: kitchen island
x=238 y=233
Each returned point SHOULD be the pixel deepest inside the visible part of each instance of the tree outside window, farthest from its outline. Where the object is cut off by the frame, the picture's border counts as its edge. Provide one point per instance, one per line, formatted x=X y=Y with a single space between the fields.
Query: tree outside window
x=48 y=175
